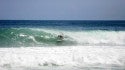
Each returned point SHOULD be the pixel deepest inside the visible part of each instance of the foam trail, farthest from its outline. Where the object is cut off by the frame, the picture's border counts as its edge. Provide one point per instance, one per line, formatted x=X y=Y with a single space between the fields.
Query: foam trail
x=74 y=57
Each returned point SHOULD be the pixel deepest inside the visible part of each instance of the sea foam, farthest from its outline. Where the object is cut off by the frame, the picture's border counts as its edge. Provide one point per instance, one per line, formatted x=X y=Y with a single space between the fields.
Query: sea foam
x=73 y=56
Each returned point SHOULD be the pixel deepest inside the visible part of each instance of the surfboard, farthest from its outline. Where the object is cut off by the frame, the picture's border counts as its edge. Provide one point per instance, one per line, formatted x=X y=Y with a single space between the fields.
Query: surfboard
x=59 y=40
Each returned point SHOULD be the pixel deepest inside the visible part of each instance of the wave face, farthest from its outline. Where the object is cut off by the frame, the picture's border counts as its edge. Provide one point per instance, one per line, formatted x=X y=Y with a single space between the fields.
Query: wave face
x=18 y=37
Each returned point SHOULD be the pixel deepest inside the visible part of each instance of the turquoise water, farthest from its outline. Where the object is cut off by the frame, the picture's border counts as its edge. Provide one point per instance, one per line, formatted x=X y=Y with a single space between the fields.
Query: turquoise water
x=29 y=37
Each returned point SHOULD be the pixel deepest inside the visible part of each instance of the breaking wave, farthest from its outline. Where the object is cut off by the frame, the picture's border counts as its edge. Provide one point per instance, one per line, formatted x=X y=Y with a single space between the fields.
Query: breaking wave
x=17 y=37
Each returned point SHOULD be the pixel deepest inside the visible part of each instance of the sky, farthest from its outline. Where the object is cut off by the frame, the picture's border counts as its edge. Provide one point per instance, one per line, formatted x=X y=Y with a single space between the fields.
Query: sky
x=62 y=9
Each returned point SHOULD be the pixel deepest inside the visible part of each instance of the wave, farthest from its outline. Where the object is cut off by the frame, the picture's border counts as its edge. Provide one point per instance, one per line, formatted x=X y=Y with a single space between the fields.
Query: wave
x=15 y=37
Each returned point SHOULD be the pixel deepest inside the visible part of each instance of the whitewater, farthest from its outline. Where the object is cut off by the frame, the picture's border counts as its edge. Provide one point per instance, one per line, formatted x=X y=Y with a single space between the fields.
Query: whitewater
x=63 y=58
x=87 y=45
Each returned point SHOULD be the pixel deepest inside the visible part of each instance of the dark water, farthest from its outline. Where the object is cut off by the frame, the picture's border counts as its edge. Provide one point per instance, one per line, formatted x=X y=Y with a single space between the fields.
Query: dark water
x=16 y=33
x=73 y=24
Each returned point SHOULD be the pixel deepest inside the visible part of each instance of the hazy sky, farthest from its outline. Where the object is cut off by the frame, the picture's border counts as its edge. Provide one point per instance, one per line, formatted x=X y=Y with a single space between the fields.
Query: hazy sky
x=62 y=9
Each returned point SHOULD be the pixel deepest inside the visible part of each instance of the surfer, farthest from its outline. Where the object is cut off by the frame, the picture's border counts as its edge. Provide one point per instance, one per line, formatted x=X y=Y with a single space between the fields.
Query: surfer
x=60 y=37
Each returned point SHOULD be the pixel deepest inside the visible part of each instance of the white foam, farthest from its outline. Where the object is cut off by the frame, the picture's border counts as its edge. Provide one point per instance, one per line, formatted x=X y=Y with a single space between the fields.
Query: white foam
x=98 y=37
x=78 y=56
x=23 y=35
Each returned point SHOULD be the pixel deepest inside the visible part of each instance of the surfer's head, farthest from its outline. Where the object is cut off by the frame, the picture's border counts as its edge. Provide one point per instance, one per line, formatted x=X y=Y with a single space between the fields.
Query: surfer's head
x=60 y=36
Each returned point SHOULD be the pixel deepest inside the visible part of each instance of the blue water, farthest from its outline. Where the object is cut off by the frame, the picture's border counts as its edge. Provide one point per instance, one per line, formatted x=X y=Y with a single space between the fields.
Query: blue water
x=65 y=24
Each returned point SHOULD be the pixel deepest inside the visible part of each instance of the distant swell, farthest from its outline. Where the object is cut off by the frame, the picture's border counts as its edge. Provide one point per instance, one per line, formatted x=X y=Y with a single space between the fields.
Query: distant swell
x=18 y=37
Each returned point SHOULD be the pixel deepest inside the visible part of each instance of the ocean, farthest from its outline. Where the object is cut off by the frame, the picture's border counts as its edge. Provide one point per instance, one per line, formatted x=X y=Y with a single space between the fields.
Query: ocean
x=86 y=45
